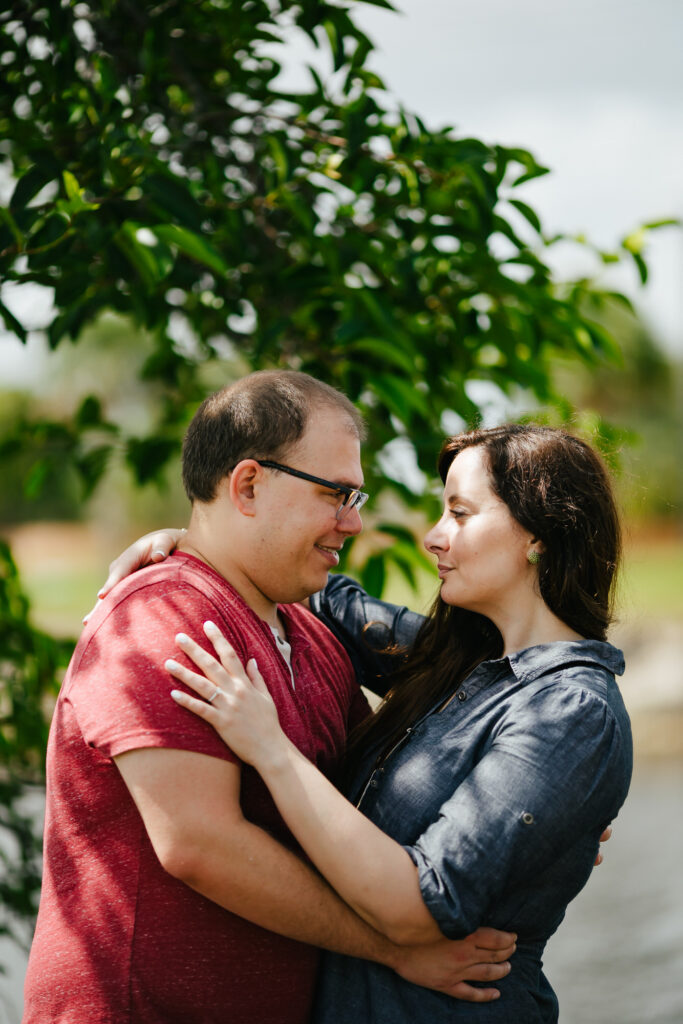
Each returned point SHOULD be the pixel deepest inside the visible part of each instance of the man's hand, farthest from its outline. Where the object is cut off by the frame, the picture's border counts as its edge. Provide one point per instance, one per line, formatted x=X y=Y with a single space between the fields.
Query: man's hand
x=448 y=966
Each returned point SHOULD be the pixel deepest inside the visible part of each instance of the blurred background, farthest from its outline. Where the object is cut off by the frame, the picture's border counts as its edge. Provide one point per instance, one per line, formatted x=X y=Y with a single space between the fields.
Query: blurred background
x=595 y=91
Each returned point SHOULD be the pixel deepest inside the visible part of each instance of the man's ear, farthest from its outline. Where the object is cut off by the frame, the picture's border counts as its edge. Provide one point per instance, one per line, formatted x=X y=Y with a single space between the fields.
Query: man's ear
x=242 y=485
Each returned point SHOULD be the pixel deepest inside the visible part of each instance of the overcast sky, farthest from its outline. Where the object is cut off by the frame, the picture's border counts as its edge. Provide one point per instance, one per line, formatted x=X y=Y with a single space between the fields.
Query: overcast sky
x=594 y=88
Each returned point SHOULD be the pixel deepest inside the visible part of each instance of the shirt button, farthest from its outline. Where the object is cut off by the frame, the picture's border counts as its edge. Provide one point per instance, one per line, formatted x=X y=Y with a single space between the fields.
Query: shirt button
x=462 y=695
x=374 y=783
x=527 y=818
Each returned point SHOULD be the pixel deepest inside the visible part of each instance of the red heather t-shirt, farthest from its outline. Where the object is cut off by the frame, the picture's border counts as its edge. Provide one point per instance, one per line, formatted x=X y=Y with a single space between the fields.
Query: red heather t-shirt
x=118 y=939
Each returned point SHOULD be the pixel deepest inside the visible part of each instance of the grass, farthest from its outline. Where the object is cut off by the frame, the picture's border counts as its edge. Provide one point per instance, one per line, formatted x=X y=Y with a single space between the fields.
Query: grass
x=652 y=582
x=59 y=602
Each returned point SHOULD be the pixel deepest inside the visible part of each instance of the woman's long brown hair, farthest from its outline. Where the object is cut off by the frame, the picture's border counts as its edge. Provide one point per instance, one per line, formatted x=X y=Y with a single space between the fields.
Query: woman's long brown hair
x=558 y=489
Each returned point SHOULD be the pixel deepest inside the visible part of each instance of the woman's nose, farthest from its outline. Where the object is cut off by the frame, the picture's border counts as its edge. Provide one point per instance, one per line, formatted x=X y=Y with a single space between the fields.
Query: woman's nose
x=434 y=538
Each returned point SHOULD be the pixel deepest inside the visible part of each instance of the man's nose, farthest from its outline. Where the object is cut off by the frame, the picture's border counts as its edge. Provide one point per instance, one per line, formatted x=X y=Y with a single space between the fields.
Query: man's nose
x=351 y=523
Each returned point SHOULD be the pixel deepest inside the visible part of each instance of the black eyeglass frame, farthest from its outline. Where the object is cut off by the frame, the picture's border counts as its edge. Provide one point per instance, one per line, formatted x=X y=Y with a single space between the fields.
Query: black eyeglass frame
x=353 y=497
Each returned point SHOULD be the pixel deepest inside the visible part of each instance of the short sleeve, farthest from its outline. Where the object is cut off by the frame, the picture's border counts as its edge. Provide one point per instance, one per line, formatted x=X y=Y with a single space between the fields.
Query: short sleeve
x=120 y=689
x=551 y=780
x=373 y=632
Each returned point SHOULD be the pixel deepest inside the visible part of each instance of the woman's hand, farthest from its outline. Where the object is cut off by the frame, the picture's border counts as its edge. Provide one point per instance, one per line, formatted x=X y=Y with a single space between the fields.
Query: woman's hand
x=153 y=547
x=607 y=834
x=236 y=701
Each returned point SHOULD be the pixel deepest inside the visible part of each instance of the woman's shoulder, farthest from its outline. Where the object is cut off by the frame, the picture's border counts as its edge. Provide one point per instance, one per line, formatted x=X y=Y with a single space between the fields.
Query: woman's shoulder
x=573 y=678
x=589 y=663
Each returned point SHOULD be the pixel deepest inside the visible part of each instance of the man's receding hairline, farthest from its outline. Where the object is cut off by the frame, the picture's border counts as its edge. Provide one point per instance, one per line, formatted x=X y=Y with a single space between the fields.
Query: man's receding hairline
x=354 y=428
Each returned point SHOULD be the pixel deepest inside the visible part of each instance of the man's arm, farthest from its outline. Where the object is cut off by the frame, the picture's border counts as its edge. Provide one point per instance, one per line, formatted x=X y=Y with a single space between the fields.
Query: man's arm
x=190 y=807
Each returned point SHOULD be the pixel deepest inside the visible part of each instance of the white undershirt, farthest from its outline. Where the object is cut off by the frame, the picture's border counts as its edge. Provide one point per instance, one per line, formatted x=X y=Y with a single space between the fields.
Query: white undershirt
x=285 y=649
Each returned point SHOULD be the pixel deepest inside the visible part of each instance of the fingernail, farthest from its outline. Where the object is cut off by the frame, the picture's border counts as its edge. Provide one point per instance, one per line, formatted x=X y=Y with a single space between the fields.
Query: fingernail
x=209 y=625
x=100 y=594
x=182 y=638
x=170 y=664
x=158 y=553
x=176 y=693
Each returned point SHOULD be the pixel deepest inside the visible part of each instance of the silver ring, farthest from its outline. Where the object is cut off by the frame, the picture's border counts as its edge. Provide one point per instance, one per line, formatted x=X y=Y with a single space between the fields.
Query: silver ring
x=213 y=696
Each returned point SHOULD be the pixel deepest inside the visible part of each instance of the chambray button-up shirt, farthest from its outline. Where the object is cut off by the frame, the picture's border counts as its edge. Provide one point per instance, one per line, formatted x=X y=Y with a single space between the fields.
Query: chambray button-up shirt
x=499 y=798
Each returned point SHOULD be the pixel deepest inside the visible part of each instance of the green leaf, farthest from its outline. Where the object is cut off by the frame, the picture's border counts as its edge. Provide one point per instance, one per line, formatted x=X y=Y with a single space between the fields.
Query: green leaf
x=336 y=41
x=11 y=322
x=33 y=484
x=89 y=412
x=151 y=263
x=55 y=230
x=373 y=574
x=280 y=158
x=381 y=3
x=527 y=212
x=73 y=189
x=399 y=396
x=665 y=222
x=76 y=203
x=383 y=352
x=604 y=341
x=399 y=532
x=622 y=299
x=91 y=467
x=9 y=220
x=641 y=266
x=174 y=198
x=148 y=456
x=192 y=245
x=29 y=185
x=634 y=242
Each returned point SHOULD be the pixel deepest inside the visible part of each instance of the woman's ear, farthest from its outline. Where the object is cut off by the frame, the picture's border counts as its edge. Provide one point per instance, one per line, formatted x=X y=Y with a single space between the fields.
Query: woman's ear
x=243 y=484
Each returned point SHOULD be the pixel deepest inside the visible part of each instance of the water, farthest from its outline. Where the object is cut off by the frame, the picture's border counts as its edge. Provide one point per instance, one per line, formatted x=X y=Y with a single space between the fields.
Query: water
x=618 y=956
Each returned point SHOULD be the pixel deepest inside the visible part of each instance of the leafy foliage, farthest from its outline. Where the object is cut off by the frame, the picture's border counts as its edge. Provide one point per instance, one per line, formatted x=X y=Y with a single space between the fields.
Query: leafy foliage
x=160 y=171
x=29 y=663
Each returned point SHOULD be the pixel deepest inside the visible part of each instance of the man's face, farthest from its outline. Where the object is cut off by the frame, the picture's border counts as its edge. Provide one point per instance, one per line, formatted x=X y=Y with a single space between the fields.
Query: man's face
x=297 y=534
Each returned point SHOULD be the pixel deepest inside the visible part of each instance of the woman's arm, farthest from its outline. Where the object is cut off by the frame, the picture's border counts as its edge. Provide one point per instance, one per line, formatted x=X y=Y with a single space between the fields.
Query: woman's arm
x=152 y=547
x=540 y=790
x=370 y=871
x=369 y=629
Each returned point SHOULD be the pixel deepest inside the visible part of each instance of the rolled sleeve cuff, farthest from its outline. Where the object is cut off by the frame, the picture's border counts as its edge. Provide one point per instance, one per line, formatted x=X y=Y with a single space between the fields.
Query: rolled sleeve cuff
x=443 y=904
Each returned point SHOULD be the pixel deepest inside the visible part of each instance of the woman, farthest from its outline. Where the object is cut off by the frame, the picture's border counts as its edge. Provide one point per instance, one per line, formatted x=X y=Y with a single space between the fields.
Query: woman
x=502 y=749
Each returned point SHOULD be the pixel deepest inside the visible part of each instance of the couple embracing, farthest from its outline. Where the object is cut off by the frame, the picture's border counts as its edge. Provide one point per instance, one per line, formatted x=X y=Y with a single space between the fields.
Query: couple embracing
x=222 y=805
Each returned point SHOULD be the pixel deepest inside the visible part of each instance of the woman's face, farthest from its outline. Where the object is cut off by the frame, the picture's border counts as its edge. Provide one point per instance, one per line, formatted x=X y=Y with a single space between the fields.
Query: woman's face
x=480 y=549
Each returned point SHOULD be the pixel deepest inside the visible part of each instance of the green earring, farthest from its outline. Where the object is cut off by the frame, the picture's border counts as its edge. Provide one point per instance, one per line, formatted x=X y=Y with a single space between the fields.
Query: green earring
x=533 y=557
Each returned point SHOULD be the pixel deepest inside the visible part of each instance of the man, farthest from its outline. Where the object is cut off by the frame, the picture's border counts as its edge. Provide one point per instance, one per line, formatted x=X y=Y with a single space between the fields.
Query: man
x=173 y=890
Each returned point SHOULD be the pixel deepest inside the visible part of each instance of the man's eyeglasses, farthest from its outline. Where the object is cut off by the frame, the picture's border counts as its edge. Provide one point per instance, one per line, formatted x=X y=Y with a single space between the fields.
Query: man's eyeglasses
x=351 y=496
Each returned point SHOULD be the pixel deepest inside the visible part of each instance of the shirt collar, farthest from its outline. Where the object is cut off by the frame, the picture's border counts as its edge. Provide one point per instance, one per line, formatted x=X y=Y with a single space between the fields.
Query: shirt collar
x=532 y=662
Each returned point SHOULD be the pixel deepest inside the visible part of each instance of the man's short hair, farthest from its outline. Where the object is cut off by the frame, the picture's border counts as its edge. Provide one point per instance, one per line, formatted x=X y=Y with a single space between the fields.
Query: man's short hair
x=259 y=417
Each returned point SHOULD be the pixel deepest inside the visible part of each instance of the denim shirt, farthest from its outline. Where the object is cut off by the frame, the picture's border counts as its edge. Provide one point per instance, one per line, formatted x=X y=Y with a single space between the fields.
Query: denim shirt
x=499 y=799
